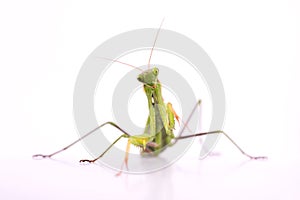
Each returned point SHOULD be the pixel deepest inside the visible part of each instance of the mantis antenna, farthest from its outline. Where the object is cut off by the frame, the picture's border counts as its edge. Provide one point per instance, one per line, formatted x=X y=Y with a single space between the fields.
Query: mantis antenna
x=155 y=42
x=113 y=60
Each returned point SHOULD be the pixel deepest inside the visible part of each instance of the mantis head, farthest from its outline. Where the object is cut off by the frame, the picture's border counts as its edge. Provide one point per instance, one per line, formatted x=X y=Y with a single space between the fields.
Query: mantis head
x=148 y=77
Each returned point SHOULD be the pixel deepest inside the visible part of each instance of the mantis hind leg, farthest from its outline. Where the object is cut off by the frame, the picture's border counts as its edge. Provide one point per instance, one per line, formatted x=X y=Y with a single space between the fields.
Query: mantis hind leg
x=229 y=138
x=198 y=104
x=179 y=137
x=110 y=146
x=125 y=134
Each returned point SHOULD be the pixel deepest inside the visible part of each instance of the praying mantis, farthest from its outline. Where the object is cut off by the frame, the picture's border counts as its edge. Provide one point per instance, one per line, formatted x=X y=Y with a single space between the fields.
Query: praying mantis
x=159 y=130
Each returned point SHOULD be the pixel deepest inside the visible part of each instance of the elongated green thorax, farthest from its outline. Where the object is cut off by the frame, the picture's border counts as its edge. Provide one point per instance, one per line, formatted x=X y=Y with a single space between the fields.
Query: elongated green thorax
x=160 y=122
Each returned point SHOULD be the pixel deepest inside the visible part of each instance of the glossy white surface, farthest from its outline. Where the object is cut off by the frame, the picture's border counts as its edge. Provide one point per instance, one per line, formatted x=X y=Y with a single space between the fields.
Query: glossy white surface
x=213 y=178
x=255 y=46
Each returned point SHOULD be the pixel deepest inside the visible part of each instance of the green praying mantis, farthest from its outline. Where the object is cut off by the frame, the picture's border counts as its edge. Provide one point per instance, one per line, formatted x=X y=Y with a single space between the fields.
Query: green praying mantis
x=159 y=130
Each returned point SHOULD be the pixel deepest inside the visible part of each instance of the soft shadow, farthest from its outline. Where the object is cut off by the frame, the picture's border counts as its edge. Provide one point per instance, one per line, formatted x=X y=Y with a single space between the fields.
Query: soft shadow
x=247 y=162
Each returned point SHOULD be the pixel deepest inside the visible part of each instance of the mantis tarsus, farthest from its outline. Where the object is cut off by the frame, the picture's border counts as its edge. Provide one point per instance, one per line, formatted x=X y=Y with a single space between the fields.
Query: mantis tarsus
x=158 y=133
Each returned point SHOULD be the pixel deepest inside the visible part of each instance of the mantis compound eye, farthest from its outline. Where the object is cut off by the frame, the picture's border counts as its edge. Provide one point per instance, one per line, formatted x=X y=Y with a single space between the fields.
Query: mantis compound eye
x=155 y=71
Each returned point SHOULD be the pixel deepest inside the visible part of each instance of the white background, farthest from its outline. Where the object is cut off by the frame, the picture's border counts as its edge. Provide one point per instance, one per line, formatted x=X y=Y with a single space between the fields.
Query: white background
x=255 y=46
